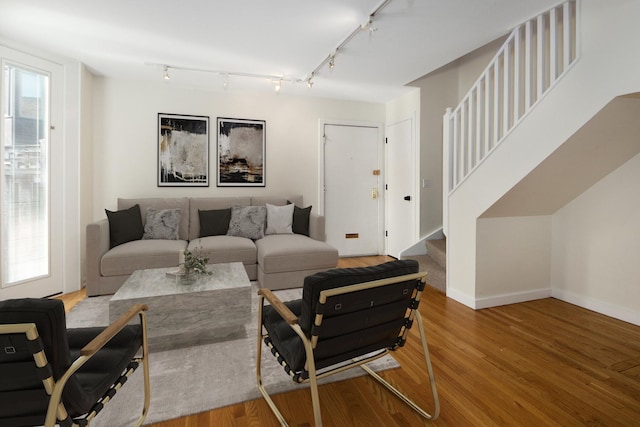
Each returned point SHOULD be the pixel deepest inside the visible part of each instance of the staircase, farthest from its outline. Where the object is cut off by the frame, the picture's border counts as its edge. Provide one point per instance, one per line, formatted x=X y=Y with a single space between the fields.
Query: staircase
x=519 y=155
x=535 y=56
x=434 y=263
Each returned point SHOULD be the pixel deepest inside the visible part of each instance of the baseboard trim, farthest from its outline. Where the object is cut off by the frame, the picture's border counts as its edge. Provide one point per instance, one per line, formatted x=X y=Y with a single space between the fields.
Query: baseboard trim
x=599 y=306
x=512 y=298
x=461 y=297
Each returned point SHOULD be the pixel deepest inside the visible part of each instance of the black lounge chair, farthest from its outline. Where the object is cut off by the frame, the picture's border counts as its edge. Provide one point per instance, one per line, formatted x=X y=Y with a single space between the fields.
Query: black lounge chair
x=346 y=318
x=50 y=374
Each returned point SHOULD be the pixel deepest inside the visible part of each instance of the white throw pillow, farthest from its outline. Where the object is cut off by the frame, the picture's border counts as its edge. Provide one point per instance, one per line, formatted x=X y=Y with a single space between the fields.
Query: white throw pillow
x=279 y=219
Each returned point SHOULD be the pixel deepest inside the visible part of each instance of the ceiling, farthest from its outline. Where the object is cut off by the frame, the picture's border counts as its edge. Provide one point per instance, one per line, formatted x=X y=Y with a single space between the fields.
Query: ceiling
x=285 y=38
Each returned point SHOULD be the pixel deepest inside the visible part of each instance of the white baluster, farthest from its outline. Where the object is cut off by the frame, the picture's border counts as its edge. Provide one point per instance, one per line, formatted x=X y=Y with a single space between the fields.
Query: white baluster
x=487 y=111
x=553 y=45
x=542 y=57
x=528 y=65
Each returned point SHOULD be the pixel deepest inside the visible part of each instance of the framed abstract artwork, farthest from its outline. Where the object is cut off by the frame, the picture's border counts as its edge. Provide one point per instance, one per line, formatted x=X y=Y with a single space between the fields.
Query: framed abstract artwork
x=241 y=152
x=183 y=150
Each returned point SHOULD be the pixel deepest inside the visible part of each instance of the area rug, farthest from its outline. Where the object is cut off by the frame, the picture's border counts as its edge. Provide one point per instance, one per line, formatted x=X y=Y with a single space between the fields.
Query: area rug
x=194 y=379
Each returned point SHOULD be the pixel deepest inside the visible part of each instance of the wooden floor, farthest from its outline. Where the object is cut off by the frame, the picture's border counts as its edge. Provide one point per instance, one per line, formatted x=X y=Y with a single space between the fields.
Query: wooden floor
x=539 y=363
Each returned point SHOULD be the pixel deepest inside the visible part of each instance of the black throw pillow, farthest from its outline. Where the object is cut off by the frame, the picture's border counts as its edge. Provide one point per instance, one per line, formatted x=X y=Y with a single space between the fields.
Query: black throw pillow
x=301 y=220
x=214 y=222
x=125 y=225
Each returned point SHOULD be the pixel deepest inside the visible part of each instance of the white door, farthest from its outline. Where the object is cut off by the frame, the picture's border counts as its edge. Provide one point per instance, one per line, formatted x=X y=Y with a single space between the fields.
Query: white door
x=31 y=177
x=400 y=195
x=352 y=188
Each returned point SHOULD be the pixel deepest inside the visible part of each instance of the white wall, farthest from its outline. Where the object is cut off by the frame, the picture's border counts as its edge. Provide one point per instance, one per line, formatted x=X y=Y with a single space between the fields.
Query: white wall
x=437 y=91
x=72 y=201
x=86 y=160
x=125 y=137
x=403 y=107
x=596 y=246
x=514 y=256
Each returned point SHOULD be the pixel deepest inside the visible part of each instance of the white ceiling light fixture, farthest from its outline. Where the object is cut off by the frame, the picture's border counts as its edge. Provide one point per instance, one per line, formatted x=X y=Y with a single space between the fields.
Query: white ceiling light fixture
x=368 y=26
x=330 y=59
x=277 y=80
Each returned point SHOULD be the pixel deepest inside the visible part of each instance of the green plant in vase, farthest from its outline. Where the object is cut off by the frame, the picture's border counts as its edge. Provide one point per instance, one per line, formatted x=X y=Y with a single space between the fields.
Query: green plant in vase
x=194 y=261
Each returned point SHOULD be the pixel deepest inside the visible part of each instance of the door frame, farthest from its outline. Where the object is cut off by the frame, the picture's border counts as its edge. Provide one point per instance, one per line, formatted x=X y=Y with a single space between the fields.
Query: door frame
x=381 y=155
x=415 y=152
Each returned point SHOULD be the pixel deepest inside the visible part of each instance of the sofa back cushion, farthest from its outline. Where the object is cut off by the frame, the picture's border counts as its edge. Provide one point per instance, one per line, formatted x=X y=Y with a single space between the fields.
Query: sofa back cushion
x=197 y=204
x=181 y=203
x=277 y=201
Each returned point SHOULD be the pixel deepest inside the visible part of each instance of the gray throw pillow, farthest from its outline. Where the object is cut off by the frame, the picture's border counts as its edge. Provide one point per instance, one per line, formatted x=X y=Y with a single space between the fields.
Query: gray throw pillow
x=279 y=219
x=247 y=221
x=162 y=224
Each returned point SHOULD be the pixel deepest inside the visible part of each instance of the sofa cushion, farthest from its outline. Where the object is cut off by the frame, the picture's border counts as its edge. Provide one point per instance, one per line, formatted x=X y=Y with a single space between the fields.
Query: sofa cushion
x=141 y=254
x=124 y=225
x=294 y=252
x=301 y=220
x=214 y=222
x=225 y=249
x=279 y=219
x=181 y=203
x=162 y=224
x=247 y=221
x=197 y=204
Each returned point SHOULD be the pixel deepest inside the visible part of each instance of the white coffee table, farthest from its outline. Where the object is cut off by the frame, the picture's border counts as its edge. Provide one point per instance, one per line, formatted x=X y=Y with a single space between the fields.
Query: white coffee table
x=186 y=312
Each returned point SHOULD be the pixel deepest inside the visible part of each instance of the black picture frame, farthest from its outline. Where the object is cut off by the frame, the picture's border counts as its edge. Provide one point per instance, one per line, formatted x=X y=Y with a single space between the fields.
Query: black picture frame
x=241 y=148
x=183 y=150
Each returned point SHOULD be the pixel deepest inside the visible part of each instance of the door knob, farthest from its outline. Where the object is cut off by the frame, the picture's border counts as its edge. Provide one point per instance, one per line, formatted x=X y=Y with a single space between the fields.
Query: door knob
x=407 y=198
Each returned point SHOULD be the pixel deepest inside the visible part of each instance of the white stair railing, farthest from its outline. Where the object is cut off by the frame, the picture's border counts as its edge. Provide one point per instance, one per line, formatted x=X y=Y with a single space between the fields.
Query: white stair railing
x=534 y=56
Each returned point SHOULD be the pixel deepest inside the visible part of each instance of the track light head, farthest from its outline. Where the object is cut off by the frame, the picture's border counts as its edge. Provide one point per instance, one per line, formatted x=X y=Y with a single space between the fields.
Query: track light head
x=332 y=61
x=166 y=75
x=368 y=26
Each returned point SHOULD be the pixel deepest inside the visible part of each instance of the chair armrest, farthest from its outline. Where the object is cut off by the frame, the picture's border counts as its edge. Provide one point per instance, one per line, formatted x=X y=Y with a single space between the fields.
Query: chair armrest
x=89 y=351
x=279 y=306
x=98 y=342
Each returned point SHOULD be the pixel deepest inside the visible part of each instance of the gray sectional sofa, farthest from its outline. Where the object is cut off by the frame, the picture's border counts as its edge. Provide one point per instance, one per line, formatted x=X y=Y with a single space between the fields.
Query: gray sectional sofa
x=277 y=261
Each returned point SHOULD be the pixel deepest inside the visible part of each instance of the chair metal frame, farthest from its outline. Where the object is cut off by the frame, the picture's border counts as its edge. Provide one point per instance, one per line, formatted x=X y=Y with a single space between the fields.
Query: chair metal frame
x=56 y=412
x=310 y=343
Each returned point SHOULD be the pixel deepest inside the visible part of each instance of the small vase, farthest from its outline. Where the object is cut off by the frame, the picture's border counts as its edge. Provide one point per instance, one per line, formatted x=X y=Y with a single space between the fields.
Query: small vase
x=188 y=276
